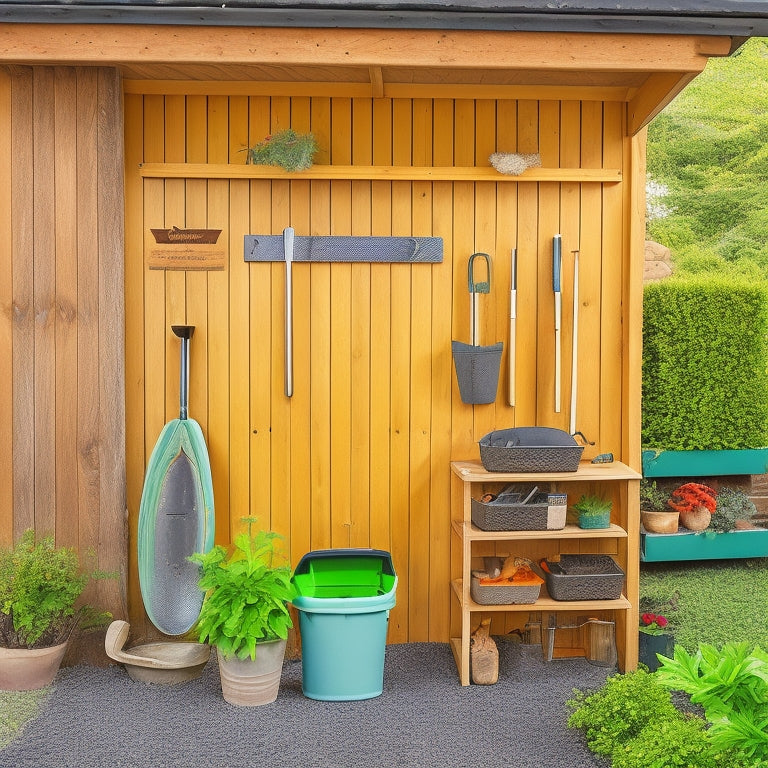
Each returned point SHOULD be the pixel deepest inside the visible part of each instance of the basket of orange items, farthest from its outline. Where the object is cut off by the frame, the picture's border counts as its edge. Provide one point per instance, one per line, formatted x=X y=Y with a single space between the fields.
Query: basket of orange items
x=516 y=583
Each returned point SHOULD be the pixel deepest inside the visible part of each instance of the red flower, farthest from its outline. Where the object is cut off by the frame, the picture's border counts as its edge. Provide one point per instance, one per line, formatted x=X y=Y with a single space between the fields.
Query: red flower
x=649 y=618
x=661 y=622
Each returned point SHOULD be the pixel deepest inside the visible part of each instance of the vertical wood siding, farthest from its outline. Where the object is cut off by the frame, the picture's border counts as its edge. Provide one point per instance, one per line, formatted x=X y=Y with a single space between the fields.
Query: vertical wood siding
x=62 y=414
x=359 y=456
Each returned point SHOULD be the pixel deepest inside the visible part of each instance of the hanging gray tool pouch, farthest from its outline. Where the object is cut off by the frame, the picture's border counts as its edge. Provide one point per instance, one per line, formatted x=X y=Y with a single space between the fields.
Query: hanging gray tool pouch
x=477 y=371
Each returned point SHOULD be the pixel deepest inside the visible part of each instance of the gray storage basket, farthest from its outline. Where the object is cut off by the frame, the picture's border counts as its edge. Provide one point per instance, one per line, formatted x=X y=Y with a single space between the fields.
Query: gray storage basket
x=584 y=577
x=530 y=449
x=477 y=371
x=546 y=512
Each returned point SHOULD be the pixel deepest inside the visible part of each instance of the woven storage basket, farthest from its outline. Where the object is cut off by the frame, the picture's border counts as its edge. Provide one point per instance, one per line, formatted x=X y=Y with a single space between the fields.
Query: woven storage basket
x=503 y=594
x=584 y=577
x=545 y=512
x=530 y=449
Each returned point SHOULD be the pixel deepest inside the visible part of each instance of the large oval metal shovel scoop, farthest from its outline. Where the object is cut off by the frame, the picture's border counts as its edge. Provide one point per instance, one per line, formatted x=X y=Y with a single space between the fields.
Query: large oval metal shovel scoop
x=176 y=516
x=477 y=368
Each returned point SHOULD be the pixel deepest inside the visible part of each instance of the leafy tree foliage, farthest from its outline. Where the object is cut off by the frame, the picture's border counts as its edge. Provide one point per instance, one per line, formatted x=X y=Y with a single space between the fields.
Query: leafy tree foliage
x=709 y=151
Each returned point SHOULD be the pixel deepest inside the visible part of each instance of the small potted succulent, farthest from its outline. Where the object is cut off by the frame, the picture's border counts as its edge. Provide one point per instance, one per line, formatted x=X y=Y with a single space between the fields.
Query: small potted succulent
x=593 y=511
x=245 y=615
x=696 y=503
x=40 y=588
x=655 y=513
x=655 y=638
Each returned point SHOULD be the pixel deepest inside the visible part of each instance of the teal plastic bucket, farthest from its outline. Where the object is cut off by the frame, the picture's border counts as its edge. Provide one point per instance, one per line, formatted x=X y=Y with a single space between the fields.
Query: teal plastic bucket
x=344 y=598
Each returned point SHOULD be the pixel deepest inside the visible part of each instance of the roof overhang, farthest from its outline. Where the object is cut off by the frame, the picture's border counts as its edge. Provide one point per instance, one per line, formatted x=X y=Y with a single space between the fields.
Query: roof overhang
x=732 y=18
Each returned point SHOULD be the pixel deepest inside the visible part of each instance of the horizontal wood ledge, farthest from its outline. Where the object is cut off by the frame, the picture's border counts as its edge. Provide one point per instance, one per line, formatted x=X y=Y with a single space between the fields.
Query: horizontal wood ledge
x=376 y=172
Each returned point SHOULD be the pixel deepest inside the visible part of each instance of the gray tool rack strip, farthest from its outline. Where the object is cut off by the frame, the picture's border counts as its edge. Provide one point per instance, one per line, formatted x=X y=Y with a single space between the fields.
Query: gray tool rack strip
x=331 y=248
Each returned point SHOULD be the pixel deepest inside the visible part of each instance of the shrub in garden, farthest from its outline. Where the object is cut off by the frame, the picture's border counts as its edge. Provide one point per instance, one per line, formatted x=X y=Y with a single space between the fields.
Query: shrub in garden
x=705 y=357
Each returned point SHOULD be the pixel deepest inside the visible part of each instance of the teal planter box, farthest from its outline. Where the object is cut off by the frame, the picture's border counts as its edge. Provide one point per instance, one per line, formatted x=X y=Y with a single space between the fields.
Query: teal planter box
x=660 y=547
x=753 y=461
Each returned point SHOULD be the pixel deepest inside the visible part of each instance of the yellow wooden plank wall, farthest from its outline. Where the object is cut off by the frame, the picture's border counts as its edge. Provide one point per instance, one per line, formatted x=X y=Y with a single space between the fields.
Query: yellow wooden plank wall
x=359 y=456
x=62 y=414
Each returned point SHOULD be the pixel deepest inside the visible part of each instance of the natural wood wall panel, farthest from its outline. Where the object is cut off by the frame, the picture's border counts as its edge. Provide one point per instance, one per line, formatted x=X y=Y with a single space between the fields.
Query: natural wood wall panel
x=358 y=456
x=63 y=324
x=7 y=311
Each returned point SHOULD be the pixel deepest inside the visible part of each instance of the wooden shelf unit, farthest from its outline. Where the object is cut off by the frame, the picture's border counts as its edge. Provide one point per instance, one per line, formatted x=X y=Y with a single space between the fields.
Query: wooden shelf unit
x=620 y=481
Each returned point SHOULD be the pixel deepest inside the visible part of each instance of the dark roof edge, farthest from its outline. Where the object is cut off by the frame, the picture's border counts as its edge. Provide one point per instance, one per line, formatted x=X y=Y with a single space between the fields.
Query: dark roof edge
x=733 y=26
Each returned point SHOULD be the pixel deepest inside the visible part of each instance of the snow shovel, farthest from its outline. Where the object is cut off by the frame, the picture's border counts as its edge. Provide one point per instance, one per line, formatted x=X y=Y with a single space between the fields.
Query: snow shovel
x=176 y=515
x=477 y=368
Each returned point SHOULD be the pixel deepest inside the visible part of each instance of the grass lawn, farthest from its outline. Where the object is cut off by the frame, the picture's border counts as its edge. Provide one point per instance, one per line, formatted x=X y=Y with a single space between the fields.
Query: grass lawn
x=16 y=708
x=709 y=601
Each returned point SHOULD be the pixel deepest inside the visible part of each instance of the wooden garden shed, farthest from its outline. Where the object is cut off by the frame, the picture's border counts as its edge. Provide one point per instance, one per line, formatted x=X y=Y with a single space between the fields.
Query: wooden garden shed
x=120 y=117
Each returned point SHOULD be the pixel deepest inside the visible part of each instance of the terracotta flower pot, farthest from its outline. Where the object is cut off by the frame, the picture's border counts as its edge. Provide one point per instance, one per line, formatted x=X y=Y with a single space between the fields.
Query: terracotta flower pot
x=696 y=519
x=660 y=522
x=22 y=669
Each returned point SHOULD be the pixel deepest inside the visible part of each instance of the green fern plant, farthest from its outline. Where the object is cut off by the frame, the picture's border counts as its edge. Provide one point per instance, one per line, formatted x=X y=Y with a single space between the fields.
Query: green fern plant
x=288 y=149
x=246 y=590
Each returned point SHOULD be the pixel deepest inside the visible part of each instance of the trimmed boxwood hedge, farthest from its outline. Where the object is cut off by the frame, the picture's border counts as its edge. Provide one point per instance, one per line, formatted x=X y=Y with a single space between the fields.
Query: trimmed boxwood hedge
x=705 y=364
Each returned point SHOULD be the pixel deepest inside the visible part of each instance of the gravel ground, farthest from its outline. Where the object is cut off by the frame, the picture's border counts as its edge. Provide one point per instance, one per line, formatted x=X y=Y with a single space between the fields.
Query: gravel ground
x=100 y=718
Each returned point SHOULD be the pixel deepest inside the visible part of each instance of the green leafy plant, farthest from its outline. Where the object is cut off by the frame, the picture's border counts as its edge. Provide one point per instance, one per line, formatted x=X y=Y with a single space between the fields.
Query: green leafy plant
x=592 y=506
x=653 y=498
x=40 y=585
x=732 y=504
x=247 y=589
x=705 y=396
x=288 y=149
x=731 y=684
x=619 y=711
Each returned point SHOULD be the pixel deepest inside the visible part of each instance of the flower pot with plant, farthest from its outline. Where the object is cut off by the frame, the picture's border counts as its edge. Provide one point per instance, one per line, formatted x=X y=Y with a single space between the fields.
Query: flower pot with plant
x=593 y=511
x=40 y=586
x=245 y=615
x=734 y=511
x=655 y=639
x=695 y=502
x=655 y=513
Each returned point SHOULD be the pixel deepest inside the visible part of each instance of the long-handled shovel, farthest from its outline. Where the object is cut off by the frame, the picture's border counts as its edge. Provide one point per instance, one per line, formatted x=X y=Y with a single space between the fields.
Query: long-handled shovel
x=512 y=325
x=176 y=516
x=557 y=268
x=574 y=348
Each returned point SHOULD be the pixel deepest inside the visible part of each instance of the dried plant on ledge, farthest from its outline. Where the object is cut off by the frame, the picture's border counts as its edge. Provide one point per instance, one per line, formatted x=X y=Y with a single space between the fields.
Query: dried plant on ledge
x=288 y=149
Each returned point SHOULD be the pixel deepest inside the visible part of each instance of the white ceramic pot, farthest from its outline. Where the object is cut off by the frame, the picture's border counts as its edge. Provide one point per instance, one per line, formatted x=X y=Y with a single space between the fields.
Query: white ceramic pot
x=250 y=683
x=22 y=669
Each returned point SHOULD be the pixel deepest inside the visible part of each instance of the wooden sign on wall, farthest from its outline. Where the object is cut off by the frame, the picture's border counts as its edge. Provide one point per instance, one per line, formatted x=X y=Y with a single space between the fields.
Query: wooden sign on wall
x=186 y=249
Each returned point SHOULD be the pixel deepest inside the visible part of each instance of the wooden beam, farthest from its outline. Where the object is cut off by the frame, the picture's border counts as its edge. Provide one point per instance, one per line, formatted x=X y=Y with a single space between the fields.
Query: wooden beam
x=377 y=82
x=111 y=44
x=659 y=90
x=388 y=90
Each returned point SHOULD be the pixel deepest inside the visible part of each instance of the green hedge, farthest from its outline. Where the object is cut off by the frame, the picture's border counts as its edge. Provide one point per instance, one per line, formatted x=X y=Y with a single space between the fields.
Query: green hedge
x=705 y=364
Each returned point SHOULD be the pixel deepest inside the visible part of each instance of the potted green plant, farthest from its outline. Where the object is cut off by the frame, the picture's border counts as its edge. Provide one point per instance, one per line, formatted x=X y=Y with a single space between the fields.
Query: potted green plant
x=655 y=638
x=245 y=615
x=655 y=513
x=288 y=149
x=40 y=585
x=733 y=511
x=593 y=511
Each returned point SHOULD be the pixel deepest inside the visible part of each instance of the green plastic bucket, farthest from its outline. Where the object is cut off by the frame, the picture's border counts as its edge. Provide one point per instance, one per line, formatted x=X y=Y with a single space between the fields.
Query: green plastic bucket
x=344 y=598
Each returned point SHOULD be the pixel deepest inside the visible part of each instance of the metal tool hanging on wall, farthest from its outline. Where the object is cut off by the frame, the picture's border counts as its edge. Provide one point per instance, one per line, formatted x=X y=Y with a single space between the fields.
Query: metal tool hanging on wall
x=512 y=324
x=291 y=249
x=477 y=368
x=557 y=269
